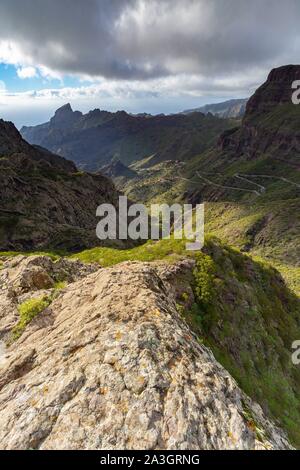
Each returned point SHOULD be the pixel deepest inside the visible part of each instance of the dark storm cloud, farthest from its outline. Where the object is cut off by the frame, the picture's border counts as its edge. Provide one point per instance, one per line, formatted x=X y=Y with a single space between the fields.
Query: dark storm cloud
x=135 y=39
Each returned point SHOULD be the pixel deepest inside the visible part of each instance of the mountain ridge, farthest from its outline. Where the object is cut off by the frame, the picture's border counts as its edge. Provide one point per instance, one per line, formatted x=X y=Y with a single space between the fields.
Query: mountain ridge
x=95 y=139
x=234 y=108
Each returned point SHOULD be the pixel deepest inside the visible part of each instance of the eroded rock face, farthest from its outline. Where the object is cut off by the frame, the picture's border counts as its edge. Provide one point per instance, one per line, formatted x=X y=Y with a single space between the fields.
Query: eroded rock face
x=270 y=124
x=110 y=364
x=277 y=90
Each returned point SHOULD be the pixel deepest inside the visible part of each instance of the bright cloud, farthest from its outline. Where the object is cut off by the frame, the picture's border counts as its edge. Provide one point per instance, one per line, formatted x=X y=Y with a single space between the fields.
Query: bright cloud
x=27 y=72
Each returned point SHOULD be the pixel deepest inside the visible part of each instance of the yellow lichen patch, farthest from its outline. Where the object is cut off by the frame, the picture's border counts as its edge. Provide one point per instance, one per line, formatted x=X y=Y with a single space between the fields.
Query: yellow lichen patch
x=141 y=379
x=123 y=405
x=231 y=436
x=156 y=313
x=118 y=336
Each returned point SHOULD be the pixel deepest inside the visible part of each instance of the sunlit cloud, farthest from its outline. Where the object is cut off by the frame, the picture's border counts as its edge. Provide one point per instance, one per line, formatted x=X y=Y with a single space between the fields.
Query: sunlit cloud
x=27 y=72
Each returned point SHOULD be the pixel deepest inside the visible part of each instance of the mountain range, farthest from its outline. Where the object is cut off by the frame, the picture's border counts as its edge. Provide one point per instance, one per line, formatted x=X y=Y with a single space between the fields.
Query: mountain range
x=226 y=109
x=94 y=139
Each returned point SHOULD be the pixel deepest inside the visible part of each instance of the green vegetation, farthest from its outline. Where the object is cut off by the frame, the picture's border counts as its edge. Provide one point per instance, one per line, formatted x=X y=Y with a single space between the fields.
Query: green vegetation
x=243 y=311
x=269 y=231
x=53 y=255
x=204 y=277
x=252 y=424
x=168 y=250
x=250 y=322
x=28 y=310
x=60 y=285
x=283 y=116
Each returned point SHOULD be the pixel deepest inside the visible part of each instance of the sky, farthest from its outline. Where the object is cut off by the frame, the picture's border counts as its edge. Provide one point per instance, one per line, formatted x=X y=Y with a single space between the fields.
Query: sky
x=156 y=56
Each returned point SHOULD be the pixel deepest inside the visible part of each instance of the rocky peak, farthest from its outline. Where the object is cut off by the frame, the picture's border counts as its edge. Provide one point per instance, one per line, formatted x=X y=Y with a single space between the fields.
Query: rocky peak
x=65 y=116
x=11 y=142
x=276 y=90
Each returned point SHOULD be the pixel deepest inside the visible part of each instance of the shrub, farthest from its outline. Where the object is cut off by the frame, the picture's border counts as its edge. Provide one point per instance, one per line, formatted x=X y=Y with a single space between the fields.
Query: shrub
x=204 y=274
x=28 y=310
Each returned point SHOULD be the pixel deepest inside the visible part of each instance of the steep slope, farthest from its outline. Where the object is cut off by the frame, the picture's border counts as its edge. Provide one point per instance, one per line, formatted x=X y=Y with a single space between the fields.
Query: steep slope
x=152 y=182
x=249 y=318
x=45 y=201
x=250 y=180
x=117 y=169
x=261 y=161
x=95 y=139
x=116 y=368
x=227 y=109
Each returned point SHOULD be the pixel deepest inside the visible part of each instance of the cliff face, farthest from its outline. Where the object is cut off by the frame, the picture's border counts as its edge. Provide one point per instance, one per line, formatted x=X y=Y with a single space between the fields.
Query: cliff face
x=45 y=202
x=271 y=121
x=277 y=90
x=110 y=364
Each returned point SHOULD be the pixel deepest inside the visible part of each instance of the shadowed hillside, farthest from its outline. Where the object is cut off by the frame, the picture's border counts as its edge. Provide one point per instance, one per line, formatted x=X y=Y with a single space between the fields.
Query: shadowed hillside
x=45 y=201
x=95 y=139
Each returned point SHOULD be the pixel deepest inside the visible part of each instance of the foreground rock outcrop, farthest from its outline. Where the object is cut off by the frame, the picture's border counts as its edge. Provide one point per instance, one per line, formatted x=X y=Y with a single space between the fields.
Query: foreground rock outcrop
x=110 y=364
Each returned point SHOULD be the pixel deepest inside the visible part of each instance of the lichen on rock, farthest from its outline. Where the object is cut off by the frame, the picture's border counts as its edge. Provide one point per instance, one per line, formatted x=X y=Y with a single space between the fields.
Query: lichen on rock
x=118 y=368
